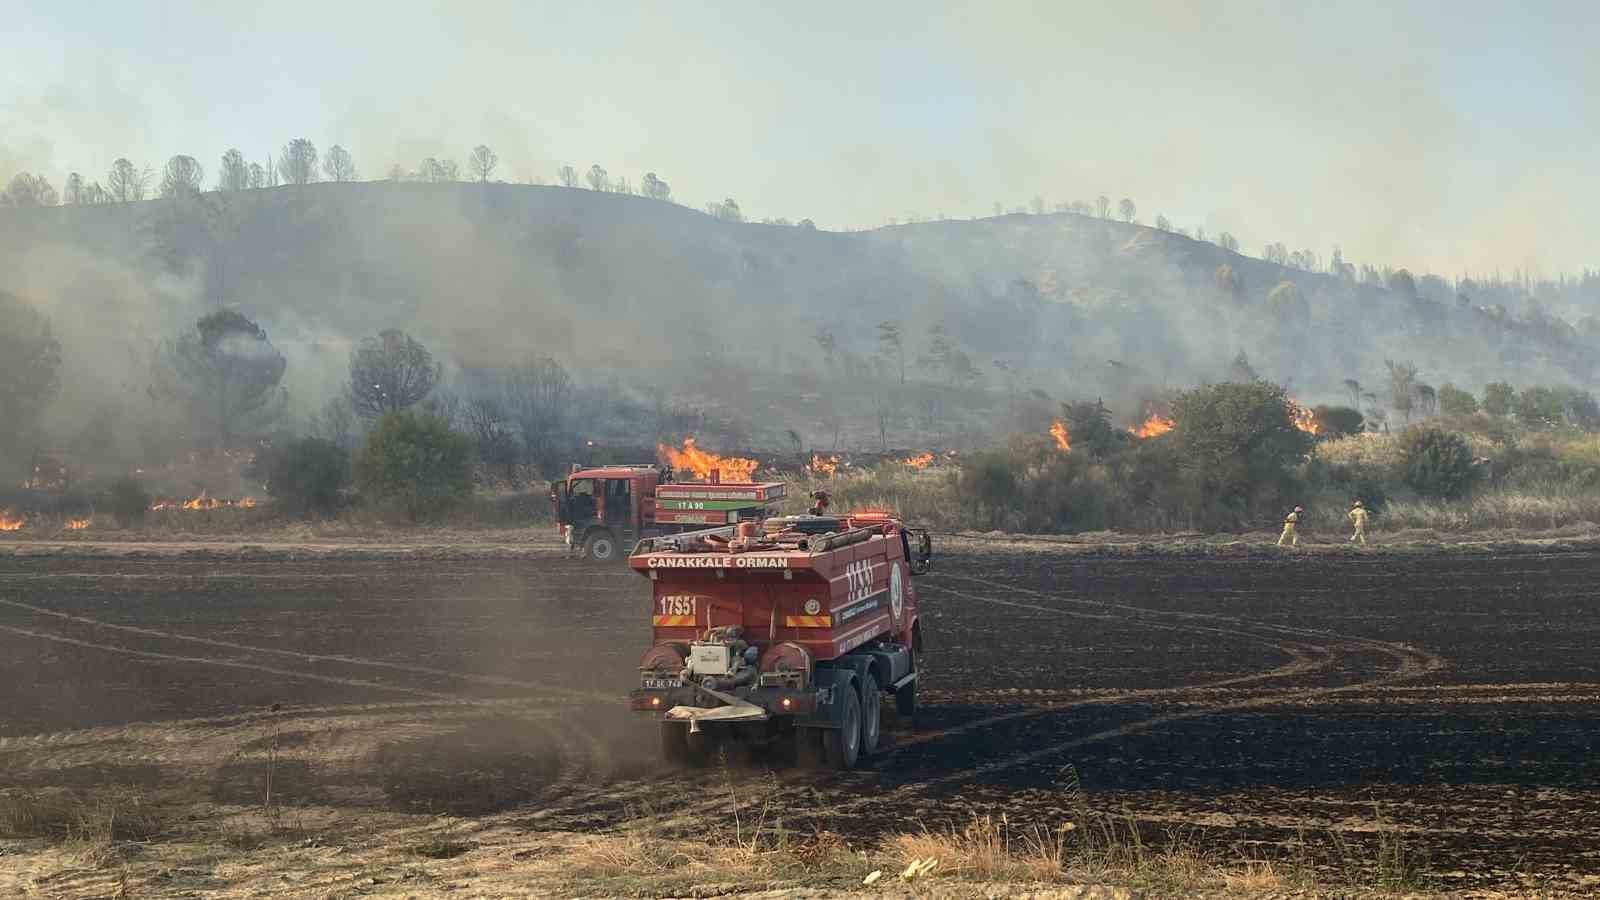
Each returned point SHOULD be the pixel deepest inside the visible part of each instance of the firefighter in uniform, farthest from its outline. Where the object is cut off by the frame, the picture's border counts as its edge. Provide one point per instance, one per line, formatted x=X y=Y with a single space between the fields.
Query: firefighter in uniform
x=1290 y=534
x=1358 y=516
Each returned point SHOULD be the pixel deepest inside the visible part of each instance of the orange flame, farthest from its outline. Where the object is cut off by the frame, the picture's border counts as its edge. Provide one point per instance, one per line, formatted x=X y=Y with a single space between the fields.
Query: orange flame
x=1058 y=430
x=1153 y=426
x=823 y=465
x=1304 y=418
x=202 y=502
x=920 y=461
x=10 y=521
x=702 y=463
x=77 y=524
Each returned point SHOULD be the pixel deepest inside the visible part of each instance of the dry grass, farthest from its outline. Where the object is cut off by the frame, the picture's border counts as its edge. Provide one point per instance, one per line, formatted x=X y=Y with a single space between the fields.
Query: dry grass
x=109 y=814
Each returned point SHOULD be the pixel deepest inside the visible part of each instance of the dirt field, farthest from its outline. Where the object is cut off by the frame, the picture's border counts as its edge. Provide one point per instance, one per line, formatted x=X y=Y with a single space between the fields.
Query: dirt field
x=1321 y=708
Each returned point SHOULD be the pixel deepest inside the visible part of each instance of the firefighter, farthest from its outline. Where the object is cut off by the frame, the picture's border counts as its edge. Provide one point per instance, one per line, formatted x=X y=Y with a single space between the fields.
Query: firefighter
x=1358 y=516
x=819 y=502
x=1290 y=534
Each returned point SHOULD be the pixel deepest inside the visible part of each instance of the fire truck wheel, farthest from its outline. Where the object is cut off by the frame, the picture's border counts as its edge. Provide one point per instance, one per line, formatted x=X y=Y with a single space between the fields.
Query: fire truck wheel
x=808 y=747
x=871 y=714
x=681 y=748
x=600 y=547
x=842 y=745
x=905 y=702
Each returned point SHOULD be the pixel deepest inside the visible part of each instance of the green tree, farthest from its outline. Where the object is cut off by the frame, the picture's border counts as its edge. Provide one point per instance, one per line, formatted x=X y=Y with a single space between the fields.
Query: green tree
x=1456 y=403
x=1236 y=444
x=229 y=373
x=1540 y=407
x=1499 y=398
x=414 y=462
x=1089 y=427
x=30 y=360
x=1436 y=463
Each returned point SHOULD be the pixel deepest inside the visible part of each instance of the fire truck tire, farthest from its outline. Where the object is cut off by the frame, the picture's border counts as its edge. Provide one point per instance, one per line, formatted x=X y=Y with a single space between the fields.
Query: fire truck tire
x=681 y=748
x=841 y=746
x=600 y=546
x=871 y=714
x=808 y=747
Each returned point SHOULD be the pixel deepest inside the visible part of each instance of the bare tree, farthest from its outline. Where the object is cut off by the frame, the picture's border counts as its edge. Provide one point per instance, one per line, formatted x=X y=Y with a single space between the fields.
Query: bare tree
x=297 y=163
x=339 y=166
x=1402 y=388
x=482 y=163
x=597 y=178
x=181 y=178
x=1228 y=242
x=396 y=173
x=27 y=190
x=127 y=183
x=537 y=393
x=389 y=373
x=568 y=176
x=1162 y=224
x=448 y=170
x=95 y=195
x=1127 y=209
x=72 y=191
x=492 y=432
x=655 y=188
x=1102 y=206
x=258 y=176
x=230 y=374
x=234 y=175
x=622 y=185
x=891 y=346
x=430 y=170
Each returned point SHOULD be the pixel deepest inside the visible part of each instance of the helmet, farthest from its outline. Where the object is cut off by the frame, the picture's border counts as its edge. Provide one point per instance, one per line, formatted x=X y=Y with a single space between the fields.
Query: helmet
x=1358 y=502
x=1298 y=509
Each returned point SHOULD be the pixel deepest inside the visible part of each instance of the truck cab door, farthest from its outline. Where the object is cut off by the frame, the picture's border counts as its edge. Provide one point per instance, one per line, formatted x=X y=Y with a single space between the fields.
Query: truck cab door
x=618 y=507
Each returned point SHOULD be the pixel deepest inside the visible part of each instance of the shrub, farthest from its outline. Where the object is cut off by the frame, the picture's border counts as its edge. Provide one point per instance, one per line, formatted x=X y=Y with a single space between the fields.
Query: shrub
x=1436 y=463
x=1338 y=421
x=306 y=476
x=415 y=462
x=127 y=501
x=1456 y=403
x=989 y=482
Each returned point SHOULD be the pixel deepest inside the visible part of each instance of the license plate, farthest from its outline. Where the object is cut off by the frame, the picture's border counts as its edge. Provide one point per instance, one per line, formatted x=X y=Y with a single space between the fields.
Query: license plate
x=661 y=684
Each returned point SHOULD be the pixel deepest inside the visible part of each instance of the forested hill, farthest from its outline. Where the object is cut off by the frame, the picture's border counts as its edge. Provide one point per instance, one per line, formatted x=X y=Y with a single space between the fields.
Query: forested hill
x=638 y=291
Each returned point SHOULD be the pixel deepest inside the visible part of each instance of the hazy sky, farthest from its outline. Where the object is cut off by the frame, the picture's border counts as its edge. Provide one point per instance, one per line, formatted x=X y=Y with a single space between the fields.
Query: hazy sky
x=1443 y=136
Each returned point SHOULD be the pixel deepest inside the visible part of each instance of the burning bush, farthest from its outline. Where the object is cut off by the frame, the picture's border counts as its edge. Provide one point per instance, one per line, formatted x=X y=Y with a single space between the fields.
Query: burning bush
x=127 y=501
x=306 y=476
x=414 y=462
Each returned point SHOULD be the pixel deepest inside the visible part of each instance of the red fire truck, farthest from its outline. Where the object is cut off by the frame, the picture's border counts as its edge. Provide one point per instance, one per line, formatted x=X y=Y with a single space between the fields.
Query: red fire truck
x=791 y=629
x=603 y=511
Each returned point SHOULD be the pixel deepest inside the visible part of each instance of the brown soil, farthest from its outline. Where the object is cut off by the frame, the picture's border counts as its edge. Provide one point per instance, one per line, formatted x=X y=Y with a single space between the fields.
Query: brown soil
x=1313 y=707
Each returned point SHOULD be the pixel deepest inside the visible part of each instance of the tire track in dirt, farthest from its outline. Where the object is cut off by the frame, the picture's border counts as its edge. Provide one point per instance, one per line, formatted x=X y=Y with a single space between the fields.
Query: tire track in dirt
x=1304 y=659
x=340 y=659
x=1408 y=662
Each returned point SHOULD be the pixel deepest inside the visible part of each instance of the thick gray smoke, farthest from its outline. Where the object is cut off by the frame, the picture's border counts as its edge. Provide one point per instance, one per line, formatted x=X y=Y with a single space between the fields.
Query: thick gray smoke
x=755 y=329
